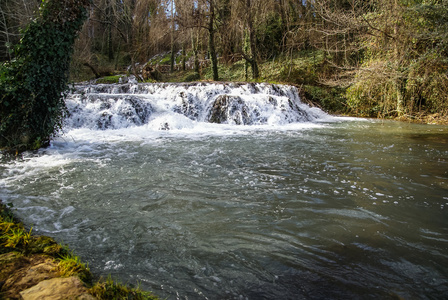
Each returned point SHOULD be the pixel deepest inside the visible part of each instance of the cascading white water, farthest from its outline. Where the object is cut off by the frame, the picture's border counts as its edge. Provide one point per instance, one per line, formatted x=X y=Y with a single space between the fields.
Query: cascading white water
x=175 y=106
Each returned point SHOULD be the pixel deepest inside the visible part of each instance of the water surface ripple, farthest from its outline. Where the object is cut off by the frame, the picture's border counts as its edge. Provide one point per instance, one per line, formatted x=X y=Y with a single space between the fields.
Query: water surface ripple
x=343 y=210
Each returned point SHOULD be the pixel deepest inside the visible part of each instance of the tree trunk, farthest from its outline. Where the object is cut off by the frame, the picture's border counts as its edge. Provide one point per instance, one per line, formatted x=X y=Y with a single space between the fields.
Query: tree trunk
x=184 y=56
x=32 y=106
x=194 y=45
x=110 y=50
x=252 y=42
x=172 y=38
x=398 y=81
x=211 y=42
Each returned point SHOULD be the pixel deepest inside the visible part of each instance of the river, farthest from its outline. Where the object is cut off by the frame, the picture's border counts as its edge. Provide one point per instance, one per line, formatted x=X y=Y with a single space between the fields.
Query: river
x=295 y=204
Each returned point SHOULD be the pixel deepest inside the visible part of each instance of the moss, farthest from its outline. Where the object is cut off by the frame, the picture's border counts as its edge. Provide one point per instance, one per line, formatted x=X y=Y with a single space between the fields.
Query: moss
x=47 y=245
x=108 y=289
x=71 y=265
x=109 y=79
x=192 y=77
x=165 y=60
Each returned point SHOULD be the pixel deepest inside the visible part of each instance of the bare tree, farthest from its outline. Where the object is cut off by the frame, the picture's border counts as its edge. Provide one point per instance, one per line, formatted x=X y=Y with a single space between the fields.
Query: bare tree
x=201 y=14
x=388 y=46
x=14 y=16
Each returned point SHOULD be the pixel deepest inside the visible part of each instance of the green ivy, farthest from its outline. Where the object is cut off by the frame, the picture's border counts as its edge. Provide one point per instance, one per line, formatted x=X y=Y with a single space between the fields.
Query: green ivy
x=32 y=86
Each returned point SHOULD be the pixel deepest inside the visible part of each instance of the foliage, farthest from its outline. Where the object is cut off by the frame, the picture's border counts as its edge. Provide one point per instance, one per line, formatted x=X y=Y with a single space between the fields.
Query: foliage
x=16 y=236
x=427 y=84
x=404 y=72
x=270 y=35
x=192 y=77
x=32 y=85
x=331 y=99
x=391 y=53
x=374 y=93
x=112 y=290
x=12 y=233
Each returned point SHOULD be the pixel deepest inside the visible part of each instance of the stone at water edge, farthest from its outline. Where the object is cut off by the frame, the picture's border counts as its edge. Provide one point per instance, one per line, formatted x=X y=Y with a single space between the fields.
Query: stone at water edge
x=57 y=288
x=20 y=272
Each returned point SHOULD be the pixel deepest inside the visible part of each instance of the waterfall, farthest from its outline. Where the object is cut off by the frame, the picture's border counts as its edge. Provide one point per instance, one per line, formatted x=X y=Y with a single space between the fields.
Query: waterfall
x=163 y=106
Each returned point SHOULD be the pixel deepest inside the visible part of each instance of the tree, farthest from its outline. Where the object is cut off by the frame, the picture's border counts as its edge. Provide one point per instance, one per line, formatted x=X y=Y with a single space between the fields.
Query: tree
x=14 y=16
x=173 y=31
x=31 y=86
x=405 y=63
x=200 y=14
x=247 y=12
x=211 y=38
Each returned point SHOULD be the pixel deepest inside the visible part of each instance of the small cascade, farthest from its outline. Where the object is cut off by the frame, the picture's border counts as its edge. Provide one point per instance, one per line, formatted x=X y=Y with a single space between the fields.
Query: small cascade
x=162 y=105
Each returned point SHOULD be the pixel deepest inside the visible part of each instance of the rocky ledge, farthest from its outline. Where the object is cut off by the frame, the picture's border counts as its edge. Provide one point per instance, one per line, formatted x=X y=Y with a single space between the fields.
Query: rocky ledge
x=37 y=276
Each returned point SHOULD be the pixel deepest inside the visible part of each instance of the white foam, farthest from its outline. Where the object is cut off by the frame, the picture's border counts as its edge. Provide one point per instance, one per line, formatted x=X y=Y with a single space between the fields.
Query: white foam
x=132 y=112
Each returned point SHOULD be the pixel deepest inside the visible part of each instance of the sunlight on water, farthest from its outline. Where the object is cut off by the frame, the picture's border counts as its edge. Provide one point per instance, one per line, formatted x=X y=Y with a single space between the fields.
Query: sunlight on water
x=330 y=209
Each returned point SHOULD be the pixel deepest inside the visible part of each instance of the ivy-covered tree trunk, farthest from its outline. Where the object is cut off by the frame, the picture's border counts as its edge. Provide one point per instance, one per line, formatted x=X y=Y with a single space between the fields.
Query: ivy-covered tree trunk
x=32 y=86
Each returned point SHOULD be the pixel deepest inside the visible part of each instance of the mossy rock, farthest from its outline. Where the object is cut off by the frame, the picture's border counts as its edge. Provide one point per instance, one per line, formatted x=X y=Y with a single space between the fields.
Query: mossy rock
x=109 y=79
x=192 y=77
x=10 y=262
x=47 y=245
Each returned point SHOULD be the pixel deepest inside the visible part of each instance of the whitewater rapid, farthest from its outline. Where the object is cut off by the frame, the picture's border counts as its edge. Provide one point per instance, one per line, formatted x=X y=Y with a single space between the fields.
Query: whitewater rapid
x=194 y=107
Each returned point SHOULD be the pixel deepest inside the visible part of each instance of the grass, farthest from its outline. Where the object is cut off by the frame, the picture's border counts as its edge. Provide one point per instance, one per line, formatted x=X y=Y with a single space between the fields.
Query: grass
x=16 y=236
x=71 y=265
x=12 y=233
x=110 y=289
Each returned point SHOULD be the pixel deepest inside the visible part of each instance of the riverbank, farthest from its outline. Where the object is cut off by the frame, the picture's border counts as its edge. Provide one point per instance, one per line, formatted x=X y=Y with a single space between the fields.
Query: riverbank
x=37 y=267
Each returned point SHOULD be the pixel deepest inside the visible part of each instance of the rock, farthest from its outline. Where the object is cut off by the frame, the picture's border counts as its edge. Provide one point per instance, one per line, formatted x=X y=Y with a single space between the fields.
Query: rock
x=22 y=272
x=228 y=109
x=37 y=273
x=57 y=288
